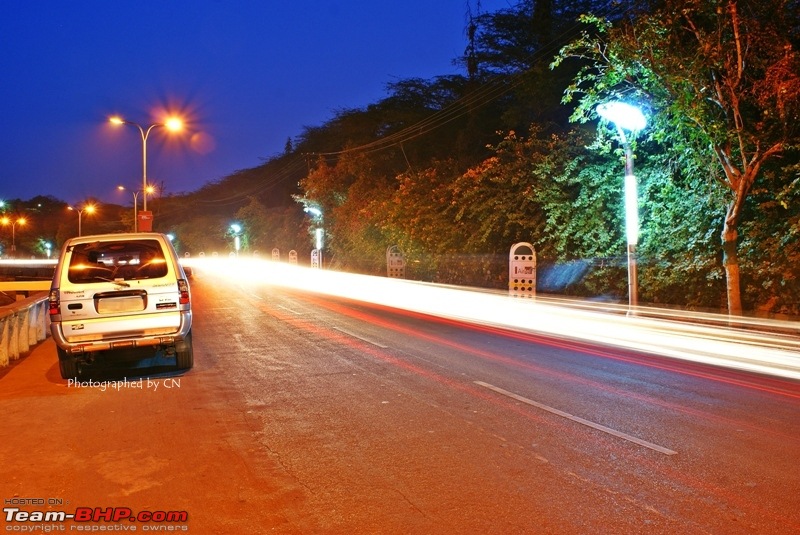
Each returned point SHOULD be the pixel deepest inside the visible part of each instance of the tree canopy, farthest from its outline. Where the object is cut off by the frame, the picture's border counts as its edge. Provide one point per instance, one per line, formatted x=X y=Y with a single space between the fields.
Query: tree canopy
x=720 y=79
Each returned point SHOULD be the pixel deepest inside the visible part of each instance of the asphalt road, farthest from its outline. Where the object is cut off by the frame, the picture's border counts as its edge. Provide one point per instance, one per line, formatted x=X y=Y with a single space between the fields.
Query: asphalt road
x=306 y=414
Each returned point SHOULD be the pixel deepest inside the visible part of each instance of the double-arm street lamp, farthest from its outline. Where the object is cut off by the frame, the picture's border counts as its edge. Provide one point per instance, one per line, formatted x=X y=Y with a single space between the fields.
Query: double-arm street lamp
x=630 y=118
x=8 y=221
x=148 y=191
x=174 y=124
x=88 y=208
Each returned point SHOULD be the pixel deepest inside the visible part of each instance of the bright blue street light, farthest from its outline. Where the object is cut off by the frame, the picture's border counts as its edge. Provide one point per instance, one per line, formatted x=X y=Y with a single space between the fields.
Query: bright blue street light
x=623 y=115
x=236 y=228
x=630 y=118
x=319 y=236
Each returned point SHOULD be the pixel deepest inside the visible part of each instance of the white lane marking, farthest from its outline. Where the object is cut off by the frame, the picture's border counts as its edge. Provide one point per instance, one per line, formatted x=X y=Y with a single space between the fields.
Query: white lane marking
x=295 y=312
x=578 y=419
x=367 y=340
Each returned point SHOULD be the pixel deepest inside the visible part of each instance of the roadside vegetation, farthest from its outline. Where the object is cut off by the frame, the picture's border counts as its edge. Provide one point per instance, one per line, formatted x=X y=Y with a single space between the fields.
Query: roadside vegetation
x=456 y=169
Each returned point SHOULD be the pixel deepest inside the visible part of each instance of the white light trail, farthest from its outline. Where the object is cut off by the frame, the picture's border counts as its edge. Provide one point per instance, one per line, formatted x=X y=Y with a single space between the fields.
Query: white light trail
x=772 y=354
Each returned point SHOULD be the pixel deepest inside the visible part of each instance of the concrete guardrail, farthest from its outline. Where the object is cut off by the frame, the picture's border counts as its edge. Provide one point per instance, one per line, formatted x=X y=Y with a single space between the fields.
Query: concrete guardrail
x=23 y=324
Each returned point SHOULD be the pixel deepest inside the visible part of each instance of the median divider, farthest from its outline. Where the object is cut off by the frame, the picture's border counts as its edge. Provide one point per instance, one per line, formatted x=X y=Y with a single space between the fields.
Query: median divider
x=23 y=324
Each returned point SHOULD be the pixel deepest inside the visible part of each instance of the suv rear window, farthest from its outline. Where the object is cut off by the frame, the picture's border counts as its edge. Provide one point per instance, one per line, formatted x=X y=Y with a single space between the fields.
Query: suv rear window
x=116 y=260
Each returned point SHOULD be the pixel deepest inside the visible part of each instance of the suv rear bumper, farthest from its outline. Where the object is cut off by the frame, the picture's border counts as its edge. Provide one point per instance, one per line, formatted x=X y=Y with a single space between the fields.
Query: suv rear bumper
x=123 y=342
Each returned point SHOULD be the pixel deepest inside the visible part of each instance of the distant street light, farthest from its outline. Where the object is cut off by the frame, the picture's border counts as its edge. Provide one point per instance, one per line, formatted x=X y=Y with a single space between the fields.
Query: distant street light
x=148 y=191
x=7 y=221
x=88 y=208
x=631 y=118
x=236 y=229
x=319 y=233
x=173 y=124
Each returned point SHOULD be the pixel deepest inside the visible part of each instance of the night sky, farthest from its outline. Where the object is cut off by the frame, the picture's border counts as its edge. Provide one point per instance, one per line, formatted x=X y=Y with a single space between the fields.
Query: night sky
x=247 y=75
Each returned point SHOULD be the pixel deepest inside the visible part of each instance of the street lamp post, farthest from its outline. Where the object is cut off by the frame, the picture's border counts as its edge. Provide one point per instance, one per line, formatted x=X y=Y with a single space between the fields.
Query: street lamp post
x=88 y=208
x=136 y=193
x=173 y=124
x=319 y=233
x=235 y=230
x=627 y=117
x=7 y=221
x=135 y=207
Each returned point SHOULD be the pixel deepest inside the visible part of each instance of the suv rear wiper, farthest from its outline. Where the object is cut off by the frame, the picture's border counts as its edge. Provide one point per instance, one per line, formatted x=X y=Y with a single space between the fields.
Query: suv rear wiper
x=120 y=283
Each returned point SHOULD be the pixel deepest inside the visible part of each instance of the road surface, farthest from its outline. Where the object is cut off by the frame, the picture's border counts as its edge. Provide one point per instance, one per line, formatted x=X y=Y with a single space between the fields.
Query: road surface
x=310 y=414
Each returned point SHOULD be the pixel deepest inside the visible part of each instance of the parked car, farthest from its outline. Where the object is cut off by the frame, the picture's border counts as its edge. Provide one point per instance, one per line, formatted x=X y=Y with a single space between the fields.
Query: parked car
x=117 y=295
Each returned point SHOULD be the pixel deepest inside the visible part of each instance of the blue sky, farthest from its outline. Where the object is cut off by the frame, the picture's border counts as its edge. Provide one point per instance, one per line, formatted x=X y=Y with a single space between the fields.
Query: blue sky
x=247 y=74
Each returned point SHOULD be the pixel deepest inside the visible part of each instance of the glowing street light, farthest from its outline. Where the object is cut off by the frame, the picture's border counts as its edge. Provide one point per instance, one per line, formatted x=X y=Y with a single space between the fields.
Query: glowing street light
x=236 y=228
x=173 y=124
x=19 y=221
x=319 y=236
x=631 y=118
x=148 y=191
x=88 y=208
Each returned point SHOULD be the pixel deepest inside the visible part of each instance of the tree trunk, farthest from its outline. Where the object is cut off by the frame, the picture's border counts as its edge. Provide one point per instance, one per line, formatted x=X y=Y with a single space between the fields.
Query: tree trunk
x=730 y=260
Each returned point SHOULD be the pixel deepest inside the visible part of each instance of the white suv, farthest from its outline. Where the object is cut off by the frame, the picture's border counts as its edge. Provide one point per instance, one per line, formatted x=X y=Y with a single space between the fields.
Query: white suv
x=112 y=293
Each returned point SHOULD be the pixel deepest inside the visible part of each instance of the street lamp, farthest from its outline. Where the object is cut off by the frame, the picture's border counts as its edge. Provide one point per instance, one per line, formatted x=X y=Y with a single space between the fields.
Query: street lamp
x=236 y=229
x=319 y=234
x=631 y=118
x=173 y=123
x=7 y=221
x=148 y=191
x=88 y=208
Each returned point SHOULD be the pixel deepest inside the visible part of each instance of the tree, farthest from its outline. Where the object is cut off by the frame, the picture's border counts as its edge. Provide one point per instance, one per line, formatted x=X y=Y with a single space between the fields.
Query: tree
x=679 y=259
x=348 y=194
x=269 y=228
x=544 y=188
x=771 y=278
x=254 y=218
x=722 y=80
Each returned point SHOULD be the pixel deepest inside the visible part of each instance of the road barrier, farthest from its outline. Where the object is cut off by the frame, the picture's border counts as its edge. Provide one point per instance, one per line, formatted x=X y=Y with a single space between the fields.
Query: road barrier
x=22 y=325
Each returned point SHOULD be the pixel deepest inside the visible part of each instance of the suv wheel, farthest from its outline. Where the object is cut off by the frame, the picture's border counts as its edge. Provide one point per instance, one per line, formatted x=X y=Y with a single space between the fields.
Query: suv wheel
x=185 y=357
x=67 y=365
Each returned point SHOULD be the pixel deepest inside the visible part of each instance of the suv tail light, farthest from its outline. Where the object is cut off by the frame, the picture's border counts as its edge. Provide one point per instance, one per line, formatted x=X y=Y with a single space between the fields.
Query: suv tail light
x=54 y=302
x=183 y=288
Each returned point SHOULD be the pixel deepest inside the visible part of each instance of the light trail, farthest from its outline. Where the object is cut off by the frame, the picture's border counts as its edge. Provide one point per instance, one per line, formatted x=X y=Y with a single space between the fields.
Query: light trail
x=29 y=262
x=759 y=352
